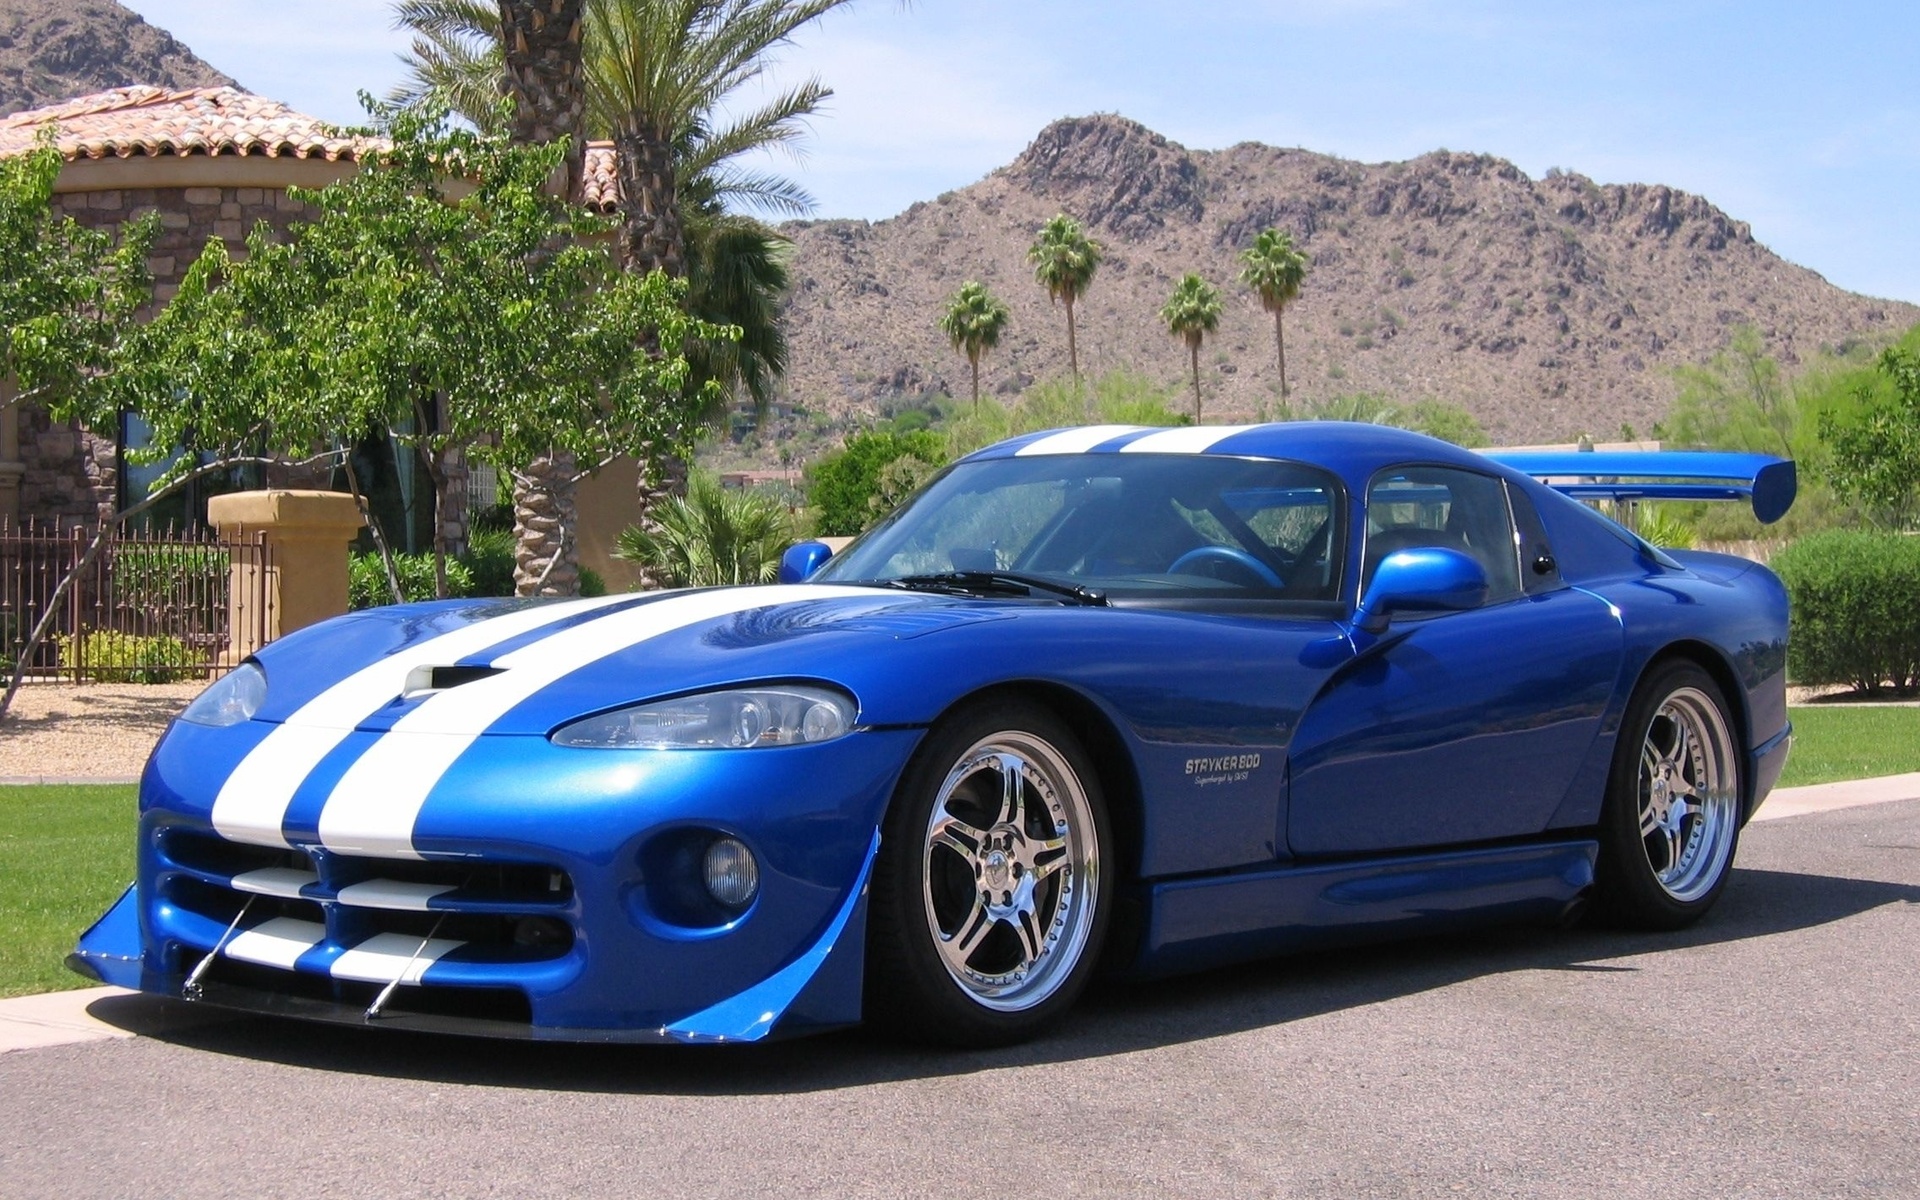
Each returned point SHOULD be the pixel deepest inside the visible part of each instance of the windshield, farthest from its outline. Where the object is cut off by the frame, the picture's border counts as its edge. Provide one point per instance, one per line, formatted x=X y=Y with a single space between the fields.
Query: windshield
x=1143 y=525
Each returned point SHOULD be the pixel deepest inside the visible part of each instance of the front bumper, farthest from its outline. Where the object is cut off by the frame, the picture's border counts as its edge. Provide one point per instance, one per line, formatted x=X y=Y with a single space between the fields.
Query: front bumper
x=546 y=901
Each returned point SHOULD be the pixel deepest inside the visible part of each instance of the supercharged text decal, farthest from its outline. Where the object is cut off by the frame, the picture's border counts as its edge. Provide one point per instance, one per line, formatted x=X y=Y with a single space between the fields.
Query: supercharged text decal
x=1224 y=768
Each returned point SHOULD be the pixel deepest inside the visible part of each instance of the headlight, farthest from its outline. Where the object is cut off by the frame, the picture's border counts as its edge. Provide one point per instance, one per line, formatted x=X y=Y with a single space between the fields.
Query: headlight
x=232 y=700
x=730 y=720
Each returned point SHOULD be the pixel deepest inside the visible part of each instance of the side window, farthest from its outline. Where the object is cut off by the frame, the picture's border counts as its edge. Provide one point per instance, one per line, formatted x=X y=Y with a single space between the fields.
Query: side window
x=1446 y=507
x=1539 y=567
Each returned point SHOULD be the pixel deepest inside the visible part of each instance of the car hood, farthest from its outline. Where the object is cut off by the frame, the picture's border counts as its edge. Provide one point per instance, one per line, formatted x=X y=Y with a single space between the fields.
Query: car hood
x=520 y=667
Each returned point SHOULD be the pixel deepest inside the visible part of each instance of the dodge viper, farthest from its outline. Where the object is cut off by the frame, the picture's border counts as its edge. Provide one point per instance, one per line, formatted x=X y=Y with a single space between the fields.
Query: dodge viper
x=1102 y=699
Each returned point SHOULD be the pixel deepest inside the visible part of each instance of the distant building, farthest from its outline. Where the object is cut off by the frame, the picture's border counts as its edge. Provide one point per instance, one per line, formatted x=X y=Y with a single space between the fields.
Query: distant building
x=214 y=162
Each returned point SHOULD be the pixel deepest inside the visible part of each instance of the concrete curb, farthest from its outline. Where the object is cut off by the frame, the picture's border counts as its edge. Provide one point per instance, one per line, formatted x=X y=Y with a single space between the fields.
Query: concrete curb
x=56 y=1019
x=1830 y=797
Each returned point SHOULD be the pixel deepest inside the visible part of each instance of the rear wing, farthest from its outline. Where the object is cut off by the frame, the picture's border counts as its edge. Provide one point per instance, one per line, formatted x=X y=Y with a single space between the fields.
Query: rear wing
x=1768 y=483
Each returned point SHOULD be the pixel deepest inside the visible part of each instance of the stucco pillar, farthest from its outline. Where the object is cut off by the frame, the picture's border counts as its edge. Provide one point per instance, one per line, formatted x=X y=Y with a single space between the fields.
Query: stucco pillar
x=11 y=468
x=306 y=534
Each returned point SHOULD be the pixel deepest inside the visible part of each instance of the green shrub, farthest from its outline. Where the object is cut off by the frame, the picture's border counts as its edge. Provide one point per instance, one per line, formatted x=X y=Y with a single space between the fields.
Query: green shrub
x=711 y=537
x=1665 y=529
x=1856 y=609
x=489 y=560
x=367 y=580
x=591 y=584
x=840 y=487
x=114 y=657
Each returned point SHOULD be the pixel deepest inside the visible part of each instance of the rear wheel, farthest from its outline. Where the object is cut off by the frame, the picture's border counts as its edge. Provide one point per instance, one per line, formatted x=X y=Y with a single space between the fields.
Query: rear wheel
x=1671 y=820
x=988 y=905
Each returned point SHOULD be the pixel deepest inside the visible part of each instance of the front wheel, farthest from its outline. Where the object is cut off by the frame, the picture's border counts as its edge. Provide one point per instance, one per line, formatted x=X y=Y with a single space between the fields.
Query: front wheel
x=989 y=903
x=1671 y=820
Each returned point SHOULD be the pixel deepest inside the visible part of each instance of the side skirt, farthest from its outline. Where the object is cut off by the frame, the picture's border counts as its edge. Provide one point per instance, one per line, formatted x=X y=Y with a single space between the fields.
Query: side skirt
x=1197 y=923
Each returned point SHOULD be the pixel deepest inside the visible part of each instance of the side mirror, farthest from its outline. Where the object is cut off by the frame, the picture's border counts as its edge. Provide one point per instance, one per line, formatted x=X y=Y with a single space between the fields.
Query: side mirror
x=803 y=560
x=1424 y=579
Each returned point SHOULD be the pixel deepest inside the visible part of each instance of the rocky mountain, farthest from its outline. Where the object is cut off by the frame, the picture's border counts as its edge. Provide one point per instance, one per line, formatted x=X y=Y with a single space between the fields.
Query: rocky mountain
x=52 y=50
x=1546 y=307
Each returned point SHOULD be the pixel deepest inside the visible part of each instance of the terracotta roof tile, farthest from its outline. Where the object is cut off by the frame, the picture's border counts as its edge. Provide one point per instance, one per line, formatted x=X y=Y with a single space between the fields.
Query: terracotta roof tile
x=599 y=182
x=153 y=121
x=145 y=120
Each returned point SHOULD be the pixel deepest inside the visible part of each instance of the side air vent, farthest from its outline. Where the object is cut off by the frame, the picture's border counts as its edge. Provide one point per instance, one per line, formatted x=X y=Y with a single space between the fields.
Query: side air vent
x=422 y=680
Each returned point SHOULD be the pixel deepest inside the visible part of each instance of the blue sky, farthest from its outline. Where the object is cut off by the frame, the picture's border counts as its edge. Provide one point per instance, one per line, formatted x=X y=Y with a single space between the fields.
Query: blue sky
x=1801 y=118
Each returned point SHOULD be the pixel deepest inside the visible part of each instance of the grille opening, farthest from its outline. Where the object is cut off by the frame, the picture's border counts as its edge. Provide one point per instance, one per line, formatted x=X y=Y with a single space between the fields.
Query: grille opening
x=506 y=883
x=216 y=855
x=353 y=999
x=422 y=680
x=222 y=904
x=489 y=937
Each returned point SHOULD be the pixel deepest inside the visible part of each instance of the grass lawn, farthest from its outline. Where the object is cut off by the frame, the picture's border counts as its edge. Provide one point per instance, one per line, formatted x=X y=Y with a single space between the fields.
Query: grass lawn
x=66 y=853
x=1832 y=742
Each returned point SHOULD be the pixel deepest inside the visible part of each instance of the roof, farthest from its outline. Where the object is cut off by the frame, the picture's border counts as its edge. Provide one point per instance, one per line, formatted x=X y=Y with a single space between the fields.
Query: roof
x=153 y=122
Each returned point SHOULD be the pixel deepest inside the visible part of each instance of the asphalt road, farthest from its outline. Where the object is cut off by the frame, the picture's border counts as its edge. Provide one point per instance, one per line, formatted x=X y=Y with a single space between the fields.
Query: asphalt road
x=1772 y=1051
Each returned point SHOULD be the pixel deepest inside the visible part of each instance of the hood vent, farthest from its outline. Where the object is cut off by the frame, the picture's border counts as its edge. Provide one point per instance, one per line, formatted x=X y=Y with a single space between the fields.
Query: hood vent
x=423 y=680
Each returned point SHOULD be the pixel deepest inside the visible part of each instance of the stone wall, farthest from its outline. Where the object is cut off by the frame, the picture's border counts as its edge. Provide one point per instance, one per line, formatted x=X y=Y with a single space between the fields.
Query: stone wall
x=71 y=473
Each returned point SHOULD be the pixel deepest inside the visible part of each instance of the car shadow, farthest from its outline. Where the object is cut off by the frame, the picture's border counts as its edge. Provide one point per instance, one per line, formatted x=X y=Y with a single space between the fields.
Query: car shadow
x=1116 y=1018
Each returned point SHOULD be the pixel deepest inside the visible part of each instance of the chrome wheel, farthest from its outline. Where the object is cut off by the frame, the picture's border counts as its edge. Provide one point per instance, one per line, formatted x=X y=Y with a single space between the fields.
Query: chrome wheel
x=1010 y=867
x=1688 y=794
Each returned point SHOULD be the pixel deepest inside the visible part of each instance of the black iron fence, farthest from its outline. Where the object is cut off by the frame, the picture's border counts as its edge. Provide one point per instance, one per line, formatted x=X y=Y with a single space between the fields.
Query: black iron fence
x=152 y=607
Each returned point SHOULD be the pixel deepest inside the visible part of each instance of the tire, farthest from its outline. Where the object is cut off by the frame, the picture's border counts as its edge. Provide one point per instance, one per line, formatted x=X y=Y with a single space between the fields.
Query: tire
x=985 y=923
x=1671 y=819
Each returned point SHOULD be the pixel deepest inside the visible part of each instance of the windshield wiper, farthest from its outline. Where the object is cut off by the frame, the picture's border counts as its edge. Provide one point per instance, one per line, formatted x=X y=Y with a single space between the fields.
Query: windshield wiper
x=998 y=582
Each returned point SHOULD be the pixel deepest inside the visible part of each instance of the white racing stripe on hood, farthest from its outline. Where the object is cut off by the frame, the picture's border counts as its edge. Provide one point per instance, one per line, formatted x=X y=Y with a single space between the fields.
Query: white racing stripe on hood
x=1190 y=439
x=252 y=803
x=1076 y=441
x=373 y=807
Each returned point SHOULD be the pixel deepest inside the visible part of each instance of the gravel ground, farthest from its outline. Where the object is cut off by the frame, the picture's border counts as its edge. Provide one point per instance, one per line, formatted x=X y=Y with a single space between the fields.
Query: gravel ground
x=66 y=730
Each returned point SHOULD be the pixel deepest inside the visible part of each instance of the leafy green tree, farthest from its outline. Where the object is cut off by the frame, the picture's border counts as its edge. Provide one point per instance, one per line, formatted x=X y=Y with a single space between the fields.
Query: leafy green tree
x=475 y=321
x=1275 y=270
x=711 y=537
x=841 y=486
x=1876 y=450
x=1435 y=418
x=1064 y=260
x=1739 y=400
x=1191 y=313
x=973 y=322
x=68 y=294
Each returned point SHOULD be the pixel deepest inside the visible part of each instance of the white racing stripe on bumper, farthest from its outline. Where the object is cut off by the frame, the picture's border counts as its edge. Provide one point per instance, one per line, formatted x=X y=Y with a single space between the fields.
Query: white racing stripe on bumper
x=1076 y=441
x=1190 y=439
x=373 y=808
x=252 y=804
x=392 y=894
x=276 y=943
x=386 y=957
x=274 y=881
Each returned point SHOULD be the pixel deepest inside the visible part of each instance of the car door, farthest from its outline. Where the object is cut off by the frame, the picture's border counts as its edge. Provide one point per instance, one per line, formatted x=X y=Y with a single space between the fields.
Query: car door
x=1458 y=727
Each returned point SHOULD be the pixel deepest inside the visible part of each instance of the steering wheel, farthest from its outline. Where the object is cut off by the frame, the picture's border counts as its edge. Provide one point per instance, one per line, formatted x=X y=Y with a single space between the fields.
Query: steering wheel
x=1228 y=556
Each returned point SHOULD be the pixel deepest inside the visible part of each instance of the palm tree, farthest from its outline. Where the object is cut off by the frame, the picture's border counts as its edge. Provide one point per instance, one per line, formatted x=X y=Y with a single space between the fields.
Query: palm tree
x=541 y=71
x=711 y=537
x=1275 y=270
x=973 y=322
x=1064 y=259
x=657 y=73
x=1193 y=312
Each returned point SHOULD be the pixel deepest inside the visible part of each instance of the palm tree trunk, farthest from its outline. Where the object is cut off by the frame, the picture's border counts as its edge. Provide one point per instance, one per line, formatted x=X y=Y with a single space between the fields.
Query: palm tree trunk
x=1193 y=351
x=1280 y=345
x=1073 y=352
x=541 y=48
x=540 y=40
x=545 y=557
x=652 y=238
x=973 y=360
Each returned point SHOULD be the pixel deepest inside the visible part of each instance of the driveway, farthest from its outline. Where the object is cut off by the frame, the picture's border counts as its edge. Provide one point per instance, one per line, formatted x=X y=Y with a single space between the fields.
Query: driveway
x=1774 y=1050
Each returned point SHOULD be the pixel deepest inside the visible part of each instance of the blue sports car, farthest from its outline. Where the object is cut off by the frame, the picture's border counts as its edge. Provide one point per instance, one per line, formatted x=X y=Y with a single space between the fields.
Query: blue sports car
x=1099 y=699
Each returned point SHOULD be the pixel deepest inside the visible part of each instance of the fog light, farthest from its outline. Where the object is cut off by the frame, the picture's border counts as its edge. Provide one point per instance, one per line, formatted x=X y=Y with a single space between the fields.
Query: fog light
x=731 y=875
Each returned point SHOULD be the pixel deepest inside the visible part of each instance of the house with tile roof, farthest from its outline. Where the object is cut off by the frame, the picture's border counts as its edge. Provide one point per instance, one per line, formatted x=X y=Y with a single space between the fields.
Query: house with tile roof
x=214 y=162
